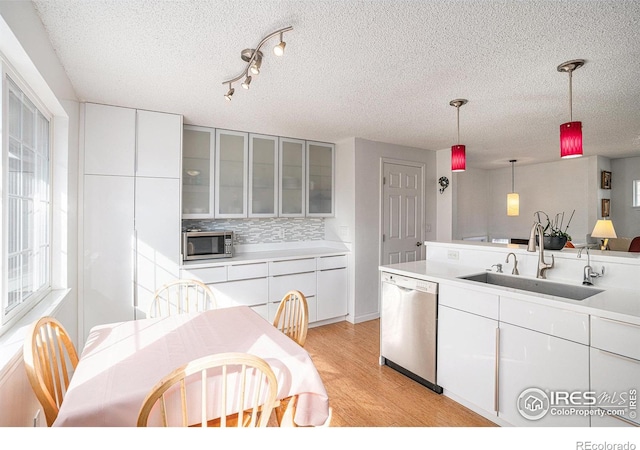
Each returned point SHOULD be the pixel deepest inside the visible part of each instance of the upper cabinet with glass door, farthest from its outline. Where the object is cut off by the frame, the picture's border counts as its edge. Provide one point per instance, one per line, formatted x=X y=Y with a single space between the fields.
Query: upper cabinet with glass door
x=292 y=178
x=232 y=152
x=263 y=176
x=197 y=172
x=320 y=179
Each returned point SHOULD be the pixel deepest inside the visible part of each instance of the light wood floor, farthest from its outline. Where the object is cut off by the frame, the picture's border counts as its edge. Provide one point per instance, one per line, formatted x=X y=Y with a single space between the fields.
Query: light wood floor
x=364 y=394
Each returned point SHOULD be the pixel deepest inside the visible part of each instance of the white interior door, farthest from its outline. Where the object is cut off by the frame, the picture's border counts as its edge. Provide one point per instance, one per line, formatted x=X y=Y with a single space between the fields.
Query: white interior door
x=402 y=212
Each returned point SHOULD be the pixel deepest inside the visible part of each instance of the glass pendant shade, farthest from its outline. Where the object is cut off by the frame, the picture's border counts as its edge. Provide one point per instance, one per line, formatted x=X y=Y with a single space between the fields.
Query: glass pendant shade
x=458 y=158
x=513 y=204
x=571 y=140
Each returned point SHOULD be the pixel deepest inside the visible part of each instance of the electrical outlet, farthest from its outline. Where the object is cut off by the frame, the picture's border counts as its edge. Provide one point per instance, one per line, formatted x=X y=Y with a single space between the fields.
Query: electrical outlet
x=427 y=228
x=279 y=233
x=453 y=254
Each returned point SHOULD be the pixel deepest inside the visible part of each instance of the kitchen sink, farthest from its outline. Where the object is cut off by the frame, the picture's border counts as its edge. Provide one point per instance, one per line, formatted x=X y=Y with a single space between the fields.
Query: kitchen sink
x=534 y=285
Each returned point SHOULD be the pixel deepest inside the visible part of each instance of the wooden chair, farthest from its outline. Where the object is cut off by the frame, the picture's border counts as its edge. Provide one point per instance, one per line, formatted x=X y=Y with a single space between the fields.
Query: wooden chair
x=181 y=296
x=292 y=316
x=49 y=359
x=241 y=379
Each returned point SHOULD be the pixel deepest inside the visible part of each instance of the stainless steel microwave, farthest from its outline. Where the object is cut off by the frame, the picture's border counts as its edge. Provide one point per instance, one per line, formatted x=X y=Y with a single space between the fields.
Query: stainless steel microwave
x=207 y=245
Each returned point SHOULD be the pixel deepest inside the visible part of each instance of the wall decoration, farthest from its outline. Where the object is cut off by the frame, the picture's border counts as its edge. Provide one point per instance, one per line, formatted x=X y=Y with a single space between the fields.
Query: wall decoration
x=444 y=183
x=605 y=181
x=606 y=207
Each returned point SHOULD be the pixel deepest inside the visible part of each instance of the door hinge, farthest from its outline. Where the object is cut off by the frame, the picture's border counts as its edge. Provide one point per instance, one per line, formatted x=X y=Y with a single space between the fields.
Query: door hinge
x=384 y=180
x=383 y=238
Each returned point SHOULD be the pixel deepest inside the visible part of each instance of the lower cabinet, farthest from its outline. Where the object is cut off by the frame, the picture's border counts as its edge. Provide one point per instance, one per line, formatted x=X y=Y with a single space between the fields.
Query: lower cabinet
x=262 y=285
x=547 y=364
x=467 y=360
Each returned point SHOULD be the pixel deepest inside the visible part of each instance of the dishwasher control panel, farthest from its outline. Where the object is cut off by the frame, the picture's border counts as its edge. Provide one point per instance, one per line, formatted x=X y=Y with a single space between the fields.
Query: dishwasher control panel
x=410 y=283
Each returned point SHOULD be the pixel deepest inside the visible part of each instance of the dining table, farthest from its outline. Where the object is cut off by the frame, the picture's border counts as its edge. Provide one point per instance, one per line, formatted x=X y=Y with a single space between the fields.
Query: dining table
x=121 y=362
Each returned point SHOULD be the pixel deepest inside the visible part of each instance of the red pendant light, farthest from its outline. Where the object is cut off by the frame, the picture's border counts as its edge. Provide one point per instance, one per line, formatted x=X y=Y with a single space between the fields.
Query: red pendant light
x=571 y=132
x=458 y=152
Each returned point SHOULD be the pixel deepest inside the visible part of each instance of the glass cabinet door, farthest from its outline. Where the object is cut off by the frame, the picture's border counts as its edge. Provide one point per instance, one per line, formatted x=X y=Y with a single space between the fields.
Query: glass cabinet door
x=320 y=179
x=231 y=174
x=263 y=174
x=197 y=172
x=292 y=178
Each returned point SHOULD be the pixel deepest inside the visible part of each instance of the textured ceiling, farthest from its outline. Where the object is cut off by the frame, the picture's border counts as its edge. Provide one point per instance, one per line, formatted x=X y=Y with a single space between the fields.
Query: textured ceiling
x=379 y=70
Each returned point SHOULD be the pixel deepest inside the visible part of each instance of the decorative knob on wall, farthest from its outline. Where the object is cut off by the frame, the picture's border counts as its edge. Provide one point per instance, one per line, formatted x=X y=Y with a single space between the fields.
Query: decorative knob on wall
x=444 y=183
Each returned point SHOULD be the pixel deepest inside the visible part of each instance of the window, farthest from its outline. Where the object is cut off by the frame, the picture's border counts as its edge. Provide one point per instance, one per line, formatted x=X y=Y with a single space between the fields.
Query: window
x=636 y=194
x=26 y=202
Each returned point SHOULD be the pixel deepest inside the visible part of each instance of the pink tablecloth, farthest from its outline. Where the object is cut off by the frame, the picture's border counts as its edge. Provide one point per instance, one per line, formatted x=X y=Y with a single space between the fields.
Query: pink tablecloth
x=121 y=362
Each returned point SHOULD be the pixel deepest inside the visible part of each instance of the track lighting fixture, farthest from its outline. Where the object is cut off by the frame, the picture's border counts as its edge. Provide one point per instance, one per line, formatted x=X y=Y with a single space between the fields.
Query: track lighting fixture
x=253 y=58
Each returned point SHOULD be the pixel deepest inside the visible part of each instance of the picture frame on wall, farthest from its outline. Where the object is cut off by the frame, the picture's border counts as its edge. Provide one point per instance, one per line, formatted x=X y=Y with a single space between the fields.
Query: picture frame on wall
x=606 y=207
x=605 y=182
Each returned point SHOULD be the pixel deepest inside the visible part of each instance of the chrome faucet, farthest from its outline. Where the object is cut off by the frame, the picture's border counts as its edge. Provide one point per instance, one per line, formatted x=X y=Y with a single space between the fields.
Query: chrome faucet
x=537 y=230
x=498 y=266
x=589 y=274
x=515 y=264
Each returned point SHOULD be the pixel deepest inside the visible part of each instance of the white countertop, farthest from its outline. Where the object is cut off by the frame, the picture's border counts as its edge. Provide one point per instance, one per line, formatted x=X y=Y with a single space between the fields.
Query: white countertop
x=612 y=303
x=268 y=255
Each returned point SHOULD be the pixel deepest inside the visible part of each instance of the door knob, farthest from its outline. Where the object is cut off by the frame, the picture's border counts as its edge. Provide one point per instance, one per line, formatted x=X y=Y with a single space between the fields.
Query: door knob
x=418 y=244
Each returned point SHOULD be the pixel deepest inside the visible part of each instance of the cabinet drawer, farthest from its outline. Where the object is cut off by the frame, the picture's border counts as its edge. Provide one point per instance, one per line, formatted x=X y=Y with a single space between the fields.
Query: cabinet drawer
x=292 y=266
x=246 y=271
x=280 y=285
x=558 y=322
x=332 y=262
x=475 y=302
x=615 y=336
x=242 y=292
x=206 y=275
x=614 y=380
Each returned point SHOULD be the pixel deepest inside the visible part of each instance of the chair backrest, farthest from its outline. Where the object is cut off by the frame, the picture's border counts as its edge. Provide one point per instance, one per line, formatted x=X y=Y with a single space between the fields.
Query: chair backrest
x=226 y=389
x=635 y=245
x=182 y=296
x=292 y=316
x=50 y=359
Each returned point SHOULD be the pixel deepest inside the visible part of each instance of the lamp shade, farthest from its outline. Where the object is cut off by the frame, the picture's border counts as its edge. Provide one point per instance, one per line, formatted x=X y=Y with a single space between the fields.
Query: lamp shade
x=604 y=229
x=458 y=158
x=513 y=204
x=571 y=140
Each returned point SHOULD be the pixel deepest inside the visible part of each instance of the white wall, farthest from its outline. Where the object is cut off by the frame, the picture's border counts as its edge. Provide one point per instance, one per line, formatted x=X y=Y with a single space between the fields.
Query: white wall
x=25 y=43
x=626 y=219
x=446 y=226
x=366 y=239
x=555 y=187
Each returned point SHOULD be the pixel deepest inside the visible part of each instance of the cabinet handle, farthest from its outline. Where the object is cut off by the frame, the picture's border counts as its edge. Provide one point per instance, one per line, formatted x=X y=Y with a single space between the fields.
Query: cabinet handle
x=496 y=395
x=626 y=358
x=604 y=319
x=335 y=268
x=288 y=274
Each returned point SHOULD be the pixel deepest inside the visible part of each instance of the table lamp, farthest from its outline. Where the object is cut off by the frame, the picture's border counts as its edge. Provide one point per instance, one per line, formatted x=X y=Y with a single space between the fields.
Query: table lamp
x=604 y=230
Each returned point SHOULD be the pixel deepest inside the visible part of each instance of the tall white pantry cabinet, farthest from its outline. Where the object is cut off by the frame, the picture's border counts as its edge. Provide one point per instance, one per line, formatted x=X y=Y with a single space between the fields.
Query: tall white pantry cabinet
x=130 y=211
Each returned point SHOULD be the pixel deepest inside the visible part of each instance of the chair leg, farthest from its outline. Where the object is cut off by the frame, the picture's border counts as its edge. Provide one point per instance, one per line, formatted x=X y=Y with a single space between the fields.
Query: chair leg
x=286 y=411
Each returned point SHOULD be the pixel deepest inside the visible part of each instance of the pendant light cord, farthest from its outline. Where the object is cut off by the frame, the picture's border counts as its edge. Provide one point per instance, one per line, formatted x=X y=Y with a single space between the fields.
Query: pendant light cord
x=512 y=176
x=458 y=116
x=570 y=97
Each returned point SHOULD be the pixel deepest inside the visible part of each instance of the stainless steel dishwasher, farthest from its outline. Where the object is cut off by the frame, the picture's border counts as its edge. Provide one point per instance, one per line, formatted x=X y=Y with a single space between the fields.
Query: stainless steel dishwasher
x=408 y=327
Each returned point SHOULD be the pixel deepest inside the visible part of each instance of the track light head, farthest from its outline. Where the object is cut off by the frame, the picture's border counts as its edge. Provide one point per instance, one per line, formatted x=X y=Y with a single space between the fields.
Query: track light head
x=278 y=50
x=246 y=82
x=229 y=94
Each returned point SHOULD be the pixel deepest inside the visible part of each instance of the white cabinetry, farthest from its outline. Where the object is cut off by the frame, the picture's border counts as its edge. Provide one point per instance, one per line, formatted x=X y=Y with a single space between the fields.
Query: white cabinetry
x=293 y=274
x=232 y=156
x=467 y=345
x=130 y=223
x=320 y=179
x=263 y=176
x=332 y=286
x=615 y=369
x=292 y=178
x=198 y=156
